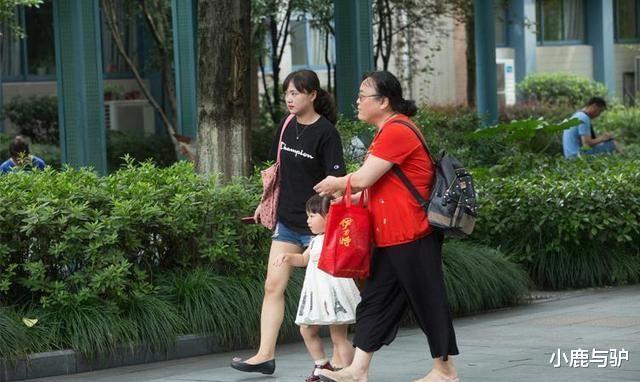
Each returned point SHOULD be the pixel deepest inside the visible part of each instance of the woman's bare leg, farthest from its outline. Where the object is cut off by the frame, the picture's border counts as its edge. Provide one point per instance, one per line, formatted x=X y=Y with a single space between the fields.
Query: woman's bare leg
x=273 y=303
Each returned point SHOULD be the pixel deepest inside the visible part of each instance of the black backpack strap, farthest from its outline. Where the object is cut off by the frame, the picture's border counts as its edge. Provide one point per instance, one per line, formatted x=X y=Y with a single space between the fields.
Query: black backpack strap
x=423 y=203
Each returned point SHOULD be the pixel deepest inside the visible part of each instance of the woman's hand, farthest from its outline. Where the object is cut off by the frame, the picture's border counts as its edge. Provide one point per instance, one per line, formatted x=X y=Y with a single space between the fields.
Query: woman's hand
x=331 y=185
x=256 y=215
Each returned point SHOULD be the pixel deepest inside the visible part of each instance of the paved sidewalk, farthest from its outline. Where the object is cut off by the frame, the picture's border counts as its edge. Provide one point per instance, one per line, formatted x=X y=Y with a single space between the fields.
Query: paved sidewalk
x=507 y=345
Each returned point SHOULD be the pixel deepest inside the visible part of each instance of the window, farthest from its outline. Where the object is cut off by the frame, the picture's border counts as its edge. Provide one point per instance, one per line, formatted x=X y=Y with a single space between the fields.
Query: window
x=33 y=57
x=10 y=52
x=112 y=61
x=41 y=55
x=627 y=15
x=560 y=21
x=308 y=45
x=501 y=23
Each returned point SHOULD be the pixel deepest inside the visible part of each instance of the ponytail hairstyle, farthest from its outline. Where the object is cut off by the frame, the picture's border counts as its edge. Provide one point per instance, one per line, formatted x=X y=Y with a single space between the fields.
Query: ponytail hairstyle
x=387 y=85
x=307 y=81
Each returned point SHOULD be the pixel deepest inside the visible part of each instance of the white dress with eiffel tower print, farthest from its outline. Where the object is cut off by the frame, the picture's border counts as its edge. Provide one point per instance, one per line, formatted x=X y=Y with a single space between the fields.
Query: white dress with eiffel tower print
x=325 y=300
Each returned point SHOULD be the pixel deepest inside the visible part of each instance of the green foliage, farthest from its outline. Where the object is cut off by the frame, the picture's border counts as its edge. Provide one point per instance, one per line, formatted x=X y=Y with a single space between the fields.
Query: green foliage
x=533 y=110
x=151 y=320
x=157 y=148
x=35 y=117
x=8 y=13
x=571 y=223
x=560 y=88
x=528 y=134
x=623 y=122
x=72 y=236
x=12 y=336
x=480 y=278
x=229 y=308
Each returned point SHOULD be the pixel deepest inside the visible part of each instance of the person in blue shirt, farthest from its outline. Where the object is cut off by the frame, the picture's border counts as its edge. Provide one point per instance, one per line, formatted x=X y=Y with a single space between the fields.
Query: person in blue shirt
x=20 y=157
x=574 y=138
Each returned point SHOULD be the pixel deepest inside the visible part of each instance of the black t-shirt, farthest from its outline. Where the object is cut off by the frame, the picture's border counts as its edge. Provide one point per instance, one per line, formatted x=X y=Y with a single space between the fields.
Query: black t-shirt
x=309 y=153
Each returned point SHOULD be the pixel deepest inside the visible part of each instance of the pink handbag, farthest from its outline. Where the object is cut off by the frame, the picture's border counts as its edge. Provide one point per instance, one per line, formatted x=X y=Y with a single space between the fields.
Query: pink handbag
x=271 y=187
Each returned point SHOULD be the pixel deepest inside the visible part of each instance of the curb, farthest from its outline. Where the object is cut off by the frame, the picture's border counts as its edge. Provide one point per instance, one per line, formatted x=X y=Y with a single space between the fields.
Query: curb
x=65 y=362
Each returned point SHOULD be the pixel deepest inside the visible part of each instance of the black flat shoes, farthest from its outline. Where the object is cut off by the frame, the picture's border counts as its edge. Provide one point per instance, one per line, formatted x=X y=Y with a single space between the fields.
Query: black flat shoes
x=267 y=367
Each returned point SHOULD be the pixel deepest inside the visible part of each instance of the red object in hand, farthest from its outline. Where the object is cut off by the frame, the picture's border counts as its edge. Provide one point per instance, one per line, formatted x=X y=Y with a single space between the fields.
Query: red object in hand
x=346 y=250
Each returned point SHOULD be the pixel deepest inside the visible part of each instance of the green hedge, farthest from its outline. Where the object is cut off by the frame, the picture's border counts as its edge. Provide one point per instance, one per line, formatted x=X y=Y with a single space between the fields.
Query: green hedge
x=623 y=122
x=560 y=88
x=72 y=235
x=201 y=301
x=571 y=223
x=146 y=254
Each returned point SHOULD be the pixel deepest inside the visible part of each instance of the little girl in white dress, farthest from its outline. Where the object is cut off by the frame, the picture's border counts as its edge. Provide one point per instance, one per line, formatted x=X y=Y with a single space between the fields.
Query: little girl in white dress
x=325 y=300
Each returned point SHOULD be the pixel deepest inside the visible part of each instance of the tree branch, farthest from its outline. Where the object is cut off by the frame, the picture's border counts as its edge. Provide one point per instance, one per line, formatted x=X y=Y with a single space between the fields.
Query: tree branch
x=115 y=33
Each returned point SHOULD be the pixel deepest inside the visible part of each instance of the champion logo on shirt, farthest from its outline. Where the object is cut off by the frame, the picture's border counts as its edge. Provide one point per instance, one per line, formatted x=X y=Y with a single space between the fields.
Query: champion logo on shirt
x=283 y=146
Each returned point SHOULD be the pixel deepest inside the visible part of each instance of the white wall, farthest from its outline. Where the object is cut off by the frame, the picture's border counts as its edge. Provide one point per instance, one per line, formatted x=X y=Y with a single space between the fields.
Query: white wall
x=576 y=59
x=505 y=53
x=49 y=88
x=624 y=62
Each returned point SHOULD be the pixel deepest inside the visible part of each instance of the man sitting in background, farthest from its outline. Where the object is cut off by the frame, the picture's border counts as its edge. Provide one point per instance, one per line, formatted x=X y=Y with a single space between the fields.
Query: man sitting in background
x=574 y=138
x=20 y=157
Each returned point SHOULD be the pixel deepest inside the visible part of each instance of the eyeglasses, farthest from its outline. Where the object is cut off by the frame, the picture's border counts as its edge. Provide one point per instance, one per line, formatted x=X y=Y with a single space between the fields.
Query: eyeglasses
x=362 y=97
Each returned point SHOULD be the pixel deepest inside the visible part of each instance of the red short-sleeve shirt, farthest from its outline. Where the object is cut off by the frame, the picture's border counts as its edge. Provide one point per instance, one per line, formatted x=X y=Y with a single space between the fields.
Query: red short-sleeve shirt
x=397 y=216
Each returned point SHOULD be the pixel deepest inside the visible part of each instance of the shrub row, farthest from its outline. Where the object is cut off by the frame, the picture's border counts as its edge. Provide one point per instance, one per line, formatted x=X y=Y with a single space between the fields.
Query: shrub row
x=571 y=223
x=201 y=301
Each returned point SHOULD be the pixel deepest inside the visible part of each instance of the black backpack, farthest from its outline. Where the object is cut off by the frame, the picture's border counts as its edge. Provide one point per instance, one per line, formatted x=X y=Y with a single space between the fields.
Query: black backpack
x=451 y=208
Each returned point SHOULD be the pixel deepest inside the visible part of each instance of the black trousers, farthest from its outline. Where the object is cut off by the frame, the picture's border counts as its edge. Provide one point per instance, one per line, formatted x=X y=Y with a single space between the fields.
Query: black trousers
x=406 y=275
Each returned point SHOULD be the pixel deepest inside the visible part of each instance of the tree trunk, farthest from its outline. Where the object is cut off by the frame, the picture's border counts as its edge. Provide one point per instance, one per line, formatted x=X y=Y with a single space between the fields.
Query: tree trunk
x=471 y=60
x=224 y=59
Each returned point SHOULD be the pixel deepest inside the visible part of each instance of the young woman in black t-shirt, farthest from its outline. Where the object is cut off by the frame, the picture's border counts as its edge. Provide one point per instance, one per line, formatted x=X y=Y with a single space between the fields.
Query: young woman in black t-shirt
x=311 y=149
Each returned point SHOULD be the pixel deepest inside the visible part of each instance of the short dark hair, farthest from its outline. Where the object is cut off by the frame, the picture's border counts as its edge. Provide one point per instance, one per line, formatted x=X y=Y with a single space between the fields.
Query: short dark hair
x=598 y=101
x=18 y=147
x=318 y=204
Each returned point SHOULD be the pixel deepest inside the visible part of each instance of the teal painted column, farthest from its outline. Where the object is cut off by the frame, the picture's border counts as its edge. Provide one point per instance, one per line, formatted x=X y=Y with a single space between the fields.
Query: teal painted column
x=79 y=81
x=354 y=50
x=1 y=104
x=600 y=26
x=184 y=53
x=522 y=36
x=485 y=40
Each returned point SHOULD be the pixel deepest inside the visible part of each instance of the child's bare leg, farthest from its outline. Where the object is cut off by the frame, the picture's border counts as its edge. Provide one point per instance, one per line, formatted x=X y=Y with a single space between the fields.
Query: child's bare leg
x=313 y=342
x=341 y=343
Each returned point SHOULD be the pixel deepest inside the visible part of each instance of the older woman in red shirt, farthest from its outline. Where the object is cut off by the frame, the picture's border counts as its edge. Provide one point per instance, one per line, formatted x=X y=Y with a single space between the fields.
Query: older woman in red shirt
x=406 y=267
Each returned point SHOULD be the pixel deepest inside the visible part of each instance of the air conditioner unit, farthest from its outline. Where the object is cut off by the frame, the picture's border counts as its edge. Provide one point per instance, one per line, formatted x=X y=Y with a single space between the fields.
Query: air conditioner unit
x=506 y=81
x=135 y=117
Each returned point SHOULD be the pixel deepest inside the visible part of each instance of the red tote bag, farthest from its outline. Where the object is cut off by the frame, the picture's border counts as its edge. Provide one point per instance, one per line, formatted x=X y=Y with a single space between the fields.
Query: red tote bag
x=346 y=251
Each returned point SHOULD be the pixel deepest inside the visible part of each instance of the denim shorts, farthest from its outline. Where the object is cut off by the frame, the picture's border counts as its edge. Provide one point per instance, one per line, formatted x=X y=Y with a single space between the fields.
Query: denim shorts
x=287 y=235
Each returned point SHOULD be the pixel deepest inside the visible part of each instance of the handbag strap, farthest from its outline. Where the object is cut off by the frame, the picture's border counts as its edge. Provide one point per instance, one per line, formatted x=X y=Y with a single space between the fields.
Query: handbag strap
x=423 y=203
x=347 y=194
x=284 y=126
